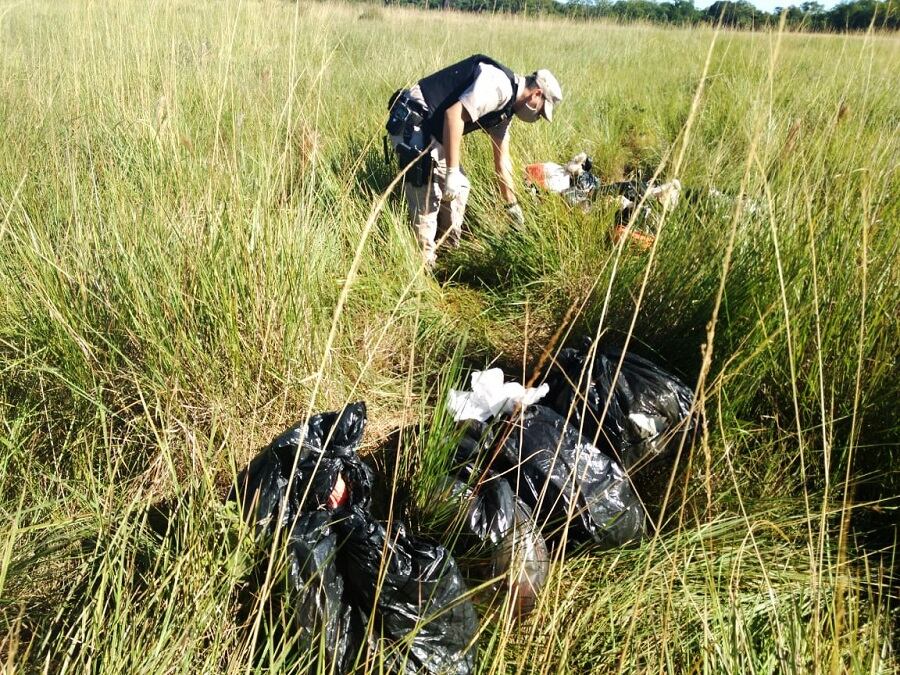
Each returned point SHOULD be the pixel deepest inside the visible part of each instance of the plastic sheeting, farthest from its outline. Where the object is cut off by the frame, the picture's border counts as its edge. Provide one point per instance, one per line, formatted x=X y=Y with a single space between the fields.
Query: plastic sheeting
x=575 y=491
x=648 y=408
x=343 y=565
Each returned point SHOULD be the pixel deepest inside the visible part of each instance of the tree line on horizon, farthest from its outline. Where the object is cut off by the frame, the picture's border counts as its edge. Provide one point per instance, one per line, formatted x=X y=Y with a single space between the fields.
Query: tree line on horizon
x=851 y=15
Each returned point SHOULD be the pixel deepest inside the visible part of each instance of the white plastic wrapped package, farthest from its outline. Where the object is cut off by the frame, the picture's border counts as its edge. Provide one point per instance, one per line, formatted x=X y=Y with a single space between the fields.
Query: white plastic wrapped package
x=491 y=396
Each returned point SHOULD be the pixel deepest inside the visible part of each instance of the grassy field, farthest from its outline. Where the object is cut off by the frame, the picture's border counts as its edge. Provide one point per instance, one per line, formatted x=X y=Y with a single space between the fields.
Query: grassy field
x=194 y=254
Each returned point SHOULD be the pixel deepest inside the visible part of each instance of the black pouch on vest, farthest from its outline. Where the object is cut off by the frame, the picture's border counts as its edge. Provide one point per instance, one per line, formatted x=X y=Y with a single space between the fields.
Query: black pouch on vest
x=420 y=172
x=405 y=114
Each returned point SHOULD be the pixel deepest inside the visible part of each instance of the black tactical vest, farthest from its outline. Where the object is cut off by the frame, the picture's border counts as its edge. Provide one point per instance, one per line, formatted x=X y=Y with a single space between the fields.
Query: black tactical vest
x=443 y=89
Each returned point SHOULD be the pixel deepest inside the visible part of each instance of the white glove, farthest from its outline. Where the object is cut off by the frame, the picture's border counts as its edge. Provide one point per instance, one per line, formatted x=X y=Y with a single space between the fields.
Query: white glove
x=515 y=215
x=454 y=184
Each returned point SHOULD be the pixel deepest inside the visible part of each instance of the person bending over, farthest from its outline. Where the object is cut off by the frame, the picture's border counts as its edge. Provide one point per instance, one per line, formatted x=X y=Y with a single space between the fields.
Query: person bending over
x=426 y=125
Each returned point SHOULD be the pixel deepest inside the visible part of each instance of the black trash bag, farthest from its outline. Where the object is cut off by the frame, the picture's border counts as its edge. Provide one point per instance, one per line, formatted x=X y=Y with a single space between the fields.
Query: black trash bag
x=644 y=218
x=491 y=507
x=323 y=615
x=311 y=480
x=647 y=413
x=587 y=187
x=317 y=453
x=324 y=449
x=581 y=192
x=260 y=490
x=641 y=203
x=568 y=483
x=632 y=190
x=500 y=538
x=422 y=596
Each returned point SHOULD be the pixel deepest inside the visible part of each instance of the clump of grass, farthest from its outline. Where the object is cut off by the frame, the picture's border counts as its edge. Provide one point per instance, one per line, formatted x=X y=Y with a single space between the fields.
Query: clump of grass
x=371 y=14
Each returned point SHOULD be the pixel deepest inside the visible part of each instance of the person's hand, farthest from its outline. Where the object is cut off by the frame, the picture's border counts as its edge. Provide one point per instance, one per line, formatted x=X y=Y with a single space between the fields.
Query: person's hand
x=515 y=215
x=455 y=183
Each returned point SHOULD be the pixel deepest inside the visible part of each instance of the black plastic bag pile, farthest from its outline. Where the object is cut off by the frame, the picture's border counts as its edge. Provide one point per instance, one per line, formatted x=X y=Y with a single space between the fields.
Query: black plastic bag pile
x=575 y=493
x=566 y=462
x=498 y=528
x=639 y=415
x=310 y=487
x=538 y=476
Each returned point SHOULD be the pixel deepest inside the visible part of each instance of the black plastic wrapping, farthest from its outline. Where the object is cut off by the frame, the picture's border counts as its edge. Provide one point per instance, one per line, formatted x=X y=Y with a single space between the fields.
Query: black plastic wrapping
x=502 y=528
x=260 y=489
x=315 y=452
x=582 y=190
x=491 y=508
x=522 y=557
x=324 y=448
x=570 y=486
x=416 y=592
x=587 y=188
x=336 y=551
x=317 y=591
x=648 y=410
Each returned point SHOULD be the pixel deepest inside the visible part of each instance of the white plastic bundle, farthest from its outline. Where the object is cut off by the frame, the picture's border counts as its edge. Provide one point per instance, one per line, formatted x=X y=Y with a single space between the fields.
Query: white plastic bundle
x=491 y=396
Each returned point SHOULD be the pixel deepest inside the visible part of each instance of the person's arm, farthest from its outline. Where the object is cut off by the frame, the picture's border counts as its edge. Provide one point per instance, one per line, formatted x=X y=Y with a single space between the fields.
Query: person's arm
x=454 y=123
x=503 y=167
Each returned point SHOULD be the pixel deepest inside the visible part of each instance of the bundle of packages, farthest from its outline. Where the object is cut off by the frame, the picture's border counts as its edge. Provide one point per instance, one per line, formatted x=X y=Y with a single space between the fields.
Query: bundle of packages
x=310 y=488
x=575 y=492
x=623 y=403
x=639 y=204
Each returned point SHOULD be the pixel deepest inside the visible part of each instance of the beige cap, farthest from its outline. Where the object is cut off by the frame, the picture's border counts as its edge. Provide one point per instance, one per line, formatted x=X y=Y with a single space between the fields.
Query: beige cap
x=552 y=91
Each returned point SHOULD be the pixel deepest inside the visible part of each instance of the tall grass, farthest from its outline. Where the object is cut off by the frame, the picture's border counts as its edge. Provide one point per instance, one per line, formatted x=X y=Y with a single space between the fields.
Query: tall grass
x=192 y=258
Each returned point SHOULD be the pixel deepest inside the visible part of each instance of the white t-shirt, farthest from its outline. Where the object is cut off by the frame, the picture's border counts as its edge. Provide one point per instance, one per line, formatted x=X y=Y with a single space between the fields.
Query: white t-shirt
x=490 y=91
